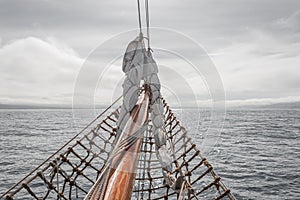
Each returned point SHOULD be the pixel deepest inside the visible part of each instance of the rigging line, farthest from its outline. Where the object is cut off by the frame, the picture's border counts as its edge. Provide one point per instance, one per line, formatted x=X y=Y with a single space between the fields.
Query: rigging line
x=147 y=22
x=55 y=153
x=139 y=16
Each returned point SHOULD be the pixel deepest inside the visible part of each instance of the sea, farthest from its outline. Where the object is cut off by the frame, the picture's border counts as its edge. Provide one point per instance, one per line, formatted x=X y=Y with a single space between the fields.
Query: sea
x=257 y=152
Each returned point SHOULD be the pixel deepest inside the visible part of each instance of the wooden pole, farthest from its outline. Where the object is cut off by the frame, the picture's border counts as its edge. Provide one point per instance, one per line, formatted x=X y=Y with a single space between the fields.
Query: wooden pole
x=117 y=180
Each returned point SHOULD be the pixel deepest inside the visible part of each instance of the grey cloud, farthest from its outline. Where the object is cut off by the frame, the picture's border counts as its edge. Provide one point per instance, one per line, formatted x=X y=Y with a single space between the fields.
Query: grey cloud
x=255 y=43
x=30 y=67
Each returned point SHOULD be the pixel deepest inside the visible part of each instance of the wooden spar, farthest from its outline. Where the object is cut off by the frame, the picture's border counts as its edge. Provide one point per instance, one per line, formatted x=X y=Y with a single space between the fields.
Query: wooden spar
x=117 y=180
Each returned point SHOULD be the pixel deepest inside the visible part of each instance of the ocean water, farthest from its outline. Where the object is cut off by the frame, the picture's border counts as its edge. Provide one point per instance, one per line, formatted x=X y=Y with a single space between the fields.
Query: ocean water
x=257 y=154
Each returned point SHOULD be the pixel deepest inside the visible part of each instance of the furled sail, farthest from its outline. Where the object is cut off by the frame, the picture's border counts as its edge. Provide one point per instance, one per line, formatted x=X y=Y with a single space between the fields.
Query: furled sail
x=141 y=74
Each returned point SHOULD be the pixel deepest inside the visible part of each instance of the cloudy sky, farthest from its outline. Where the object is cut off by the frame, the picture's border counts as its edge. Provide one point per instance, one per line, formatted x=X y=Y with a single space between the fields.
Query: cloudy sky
x=254 y=44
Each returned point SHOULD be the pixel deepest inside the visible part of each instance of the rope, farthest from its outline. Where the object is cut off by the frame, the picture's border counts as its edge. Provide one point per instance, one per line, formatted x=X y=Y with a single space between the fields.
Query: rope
x=139 y=16
x=147 y=22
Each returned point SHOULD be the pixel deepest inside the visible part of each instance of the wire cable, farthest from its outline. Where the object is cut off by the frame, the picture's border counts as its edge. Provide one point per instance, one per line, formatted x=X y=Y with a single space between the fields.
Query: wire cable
x=139 y=15
x=147 y=22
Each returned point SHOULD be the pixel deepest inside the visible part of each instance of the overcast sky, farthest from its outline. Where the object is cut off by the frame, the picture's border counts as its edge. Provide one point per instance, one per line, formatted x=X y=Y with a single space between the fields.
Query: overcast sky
x=255 y=44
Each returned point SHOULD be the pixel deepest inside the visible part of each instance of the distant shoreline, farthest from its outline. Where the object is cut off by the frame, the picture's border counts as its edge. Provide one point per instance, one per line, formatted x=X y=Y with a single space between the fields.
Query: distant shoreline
x=277 y=106
x=175 y=108
x=42 y=107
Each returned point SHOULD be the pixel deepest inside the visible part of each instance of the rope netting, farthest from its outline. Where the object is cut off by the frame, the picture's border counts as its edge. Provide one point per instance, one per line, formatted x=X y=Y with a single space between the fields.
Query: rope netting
x=198 y=179
x=73 y=170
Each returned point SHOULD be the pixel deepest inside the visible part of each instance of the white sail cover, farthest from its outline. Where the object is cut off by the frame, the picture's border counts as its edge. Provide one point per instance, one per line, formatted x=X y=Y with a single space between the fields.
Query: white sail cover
x=140 y=68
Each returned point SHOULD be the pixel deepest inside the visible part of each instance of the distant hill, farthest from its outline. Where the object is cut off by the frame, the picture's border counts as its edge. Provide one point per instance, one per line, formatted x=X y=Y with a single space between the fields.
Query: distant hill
x=50 y=106
x=20 y=106
x=291 y=105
